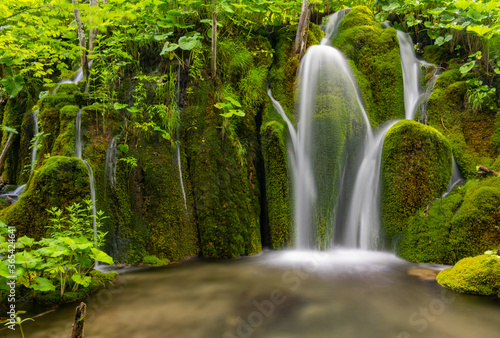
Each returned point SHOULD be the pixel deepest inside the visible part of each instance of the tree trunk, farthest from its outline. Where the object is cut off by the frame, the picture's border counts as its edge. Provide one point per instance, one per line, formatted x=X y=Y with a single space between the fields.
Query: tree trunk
x=81 y=38
x=79 y=323
x=303 y=23
x=5 y=150
x=214 y=40
x=93 y=31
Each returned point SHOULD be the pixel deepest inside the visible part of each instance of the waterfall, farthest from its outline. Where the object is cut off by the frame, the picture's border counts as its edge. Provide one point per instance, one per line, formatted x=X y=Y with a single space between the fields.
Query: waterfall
x=329 y=106
x=332 y=28
x=281 y=111
x=78 y=134
x=35 y=144
x=110 y=166
x=363 y=218
x=456 y=178
x=411 y=74
x=78 y=153
x=177 y=138
x=13 y=196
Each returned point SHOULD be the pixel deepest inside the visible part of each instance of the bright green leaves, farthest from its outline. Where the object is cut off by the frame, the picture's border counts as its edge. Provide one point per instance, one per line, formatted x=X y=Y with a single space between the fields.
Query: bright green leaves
x=13 y=84
x=83 y=281
x=169 y=47
x=42 y=284
x=101 y=256
x=441 y=40
x=190 y=42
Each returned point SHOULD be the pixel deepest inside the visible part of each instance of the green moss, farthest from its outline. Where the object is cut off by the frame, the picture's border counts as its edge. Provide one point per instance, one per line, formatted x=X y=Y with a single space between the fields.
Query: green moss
x=464 y=223
x=373 y=53
x=314 y=35
x=359 y=16
x=416 y=167
x=64 y=144
x=471 y=134
x=277 y=184
x=435 y=54
x=477 y=275
x=495 y=139
x=13 y=118
x=153 y=260
x=59 y=182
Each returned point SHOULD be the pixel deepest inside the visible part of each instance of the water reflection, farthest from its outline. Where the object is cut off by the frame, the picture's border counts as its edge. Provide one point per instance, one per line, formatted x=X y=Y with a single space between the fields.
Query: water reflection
x=280 y=294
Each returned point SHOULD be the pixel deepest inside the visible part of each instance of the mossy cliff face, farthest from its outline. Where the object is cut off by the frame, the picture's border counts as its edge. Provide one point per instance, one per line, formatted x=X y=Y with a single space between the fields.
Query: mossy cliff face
x=13 y=117
x=58 y=182
x=478 y=275
x=278 y=190
x=373 y=54
x=471 y=134
x=416 y=167
x=464 y=223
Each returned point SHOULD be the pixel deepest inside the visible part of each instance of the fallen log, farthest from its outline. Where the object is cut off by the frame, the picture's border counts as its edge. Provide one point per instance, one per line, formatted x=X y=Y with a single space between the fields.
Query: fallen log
x=485 y=171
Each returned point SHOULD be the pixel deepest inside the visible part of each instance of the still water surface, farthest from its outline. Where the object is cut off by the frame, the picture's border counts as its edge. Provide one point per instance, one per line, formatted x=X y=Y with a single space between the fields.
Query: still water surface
x=279 y=294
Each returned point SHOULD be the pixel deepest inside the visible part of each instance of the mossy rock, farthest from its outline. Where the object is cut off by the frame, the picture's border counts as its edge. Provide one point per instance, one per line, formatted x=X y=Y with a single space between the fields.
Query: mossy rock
x=374 y=56
x=435 y=54
x=153 y=260
x=473 y=135
x=59 y=182
x=278 y=190
x=416 y=167
x=476 y=275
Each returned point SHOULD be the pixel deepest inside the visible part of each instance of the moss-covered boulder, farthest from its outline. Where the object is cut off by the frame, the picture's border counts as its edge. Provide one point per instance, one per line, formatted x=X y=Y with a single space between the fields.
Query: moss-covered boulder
x=374 y=55
x=416 y=167
x=477 y=275
x=472 y=134
x=59 y=182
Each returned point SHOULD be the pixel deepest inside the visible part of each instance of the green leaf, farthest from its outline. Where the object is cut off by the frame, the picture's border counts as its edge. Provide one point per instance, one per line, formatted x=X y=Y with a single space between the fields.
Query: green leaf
x=13 y=85
x=43 y=94
x=189 y=42
x=42 y=284
x=102 y=256
x=26 y=241
x=233 y=101
x=476 y=15
x=123 y=148
x=85 y=281
x=119 y=106
x=169 y=47
x=237 y=112
x=9 y=129
x=439 y=41
x=133 y=110
x=467 y=67
x=479 y=30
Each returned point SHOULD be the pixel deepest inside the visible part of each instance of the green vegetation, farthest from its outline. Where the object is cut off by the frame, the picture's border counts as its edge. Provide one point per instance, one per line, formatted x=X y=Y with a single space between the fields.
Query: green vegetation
x=153 y=87
x=373 y=53
x=60 y=263
x=416 y=167
x=478 y=275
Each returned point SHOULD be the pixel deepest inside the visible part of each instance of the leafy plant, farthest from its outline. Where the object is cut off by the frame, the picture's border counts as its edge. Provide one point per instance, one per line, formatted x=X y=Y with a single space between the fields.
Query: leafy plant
x=230 y=109
x=63 y=260
x=18 y=321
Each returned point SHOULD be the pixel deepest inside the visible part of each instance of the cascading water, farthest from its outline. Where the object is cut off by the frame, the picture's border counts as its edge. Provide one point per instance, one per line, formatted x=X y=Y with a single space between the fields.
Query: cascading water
x=78 y=153
x=411 y=74
x=363 y=218
x=456 y=178
x=35 y=144
x=177 y=139
x=78 y=134
x=332 y=28
x=331 y=125
x=110 y=165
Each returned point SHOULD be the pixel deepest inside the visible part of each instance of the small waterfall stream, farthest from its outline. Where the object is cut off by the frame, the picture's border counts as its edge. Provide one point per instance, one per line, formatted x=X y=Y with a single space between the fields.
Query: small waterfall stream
x=411 y=74
x=177 y=137
x=110 y=165
x=35 y=144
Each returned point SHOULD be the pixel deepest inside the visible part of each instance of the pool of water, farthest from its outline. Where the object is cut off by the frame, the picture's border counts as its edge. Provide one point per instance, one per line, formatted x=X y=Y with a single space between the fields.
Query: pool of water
x=278 y=294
